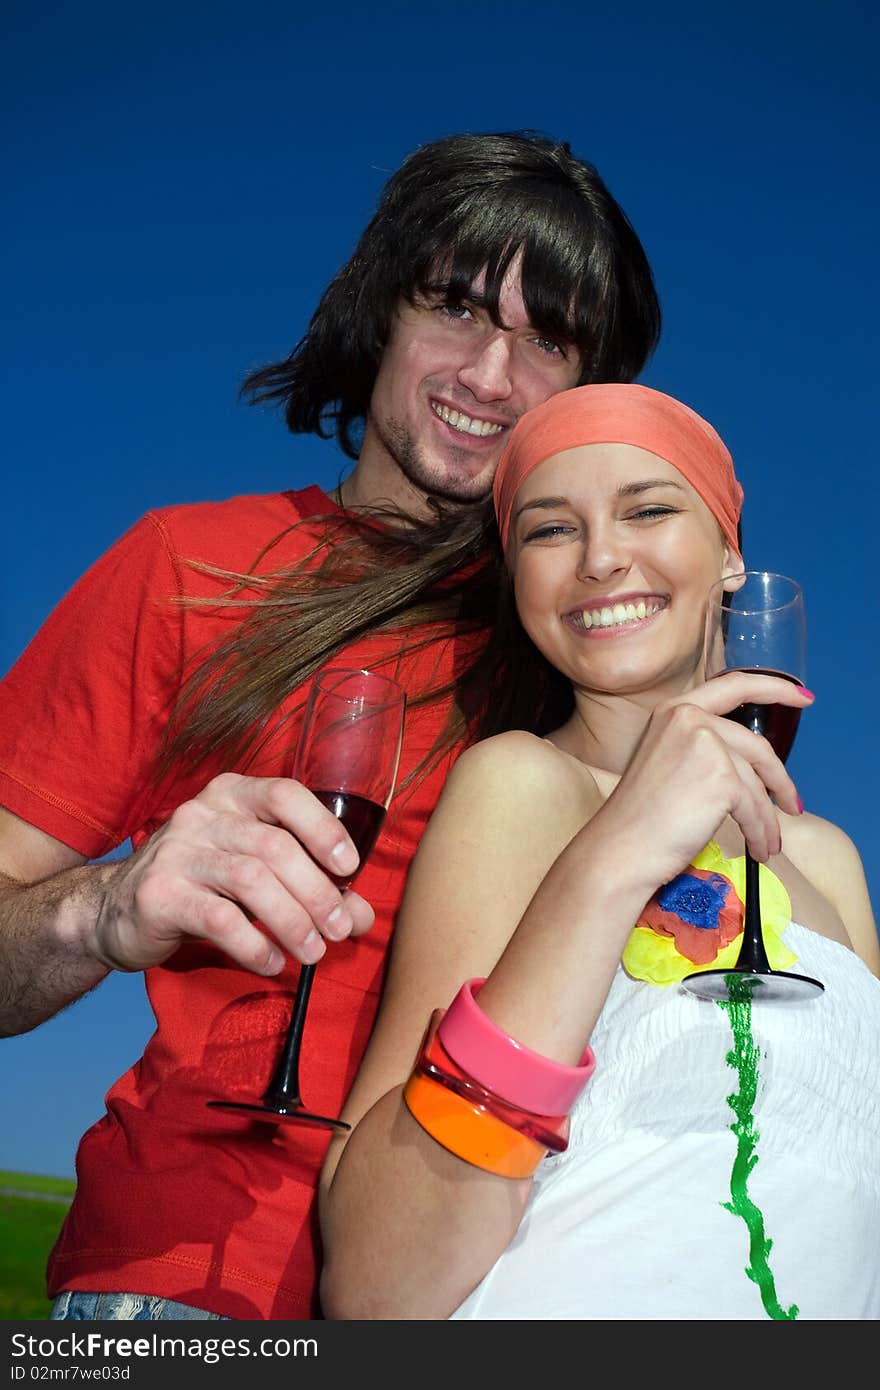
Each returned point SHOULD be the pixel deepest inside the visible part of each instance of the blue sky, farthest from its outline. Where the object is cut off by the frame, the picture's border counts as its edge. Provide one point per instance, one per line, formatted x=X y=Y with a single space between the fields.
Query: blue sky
x=180 y=183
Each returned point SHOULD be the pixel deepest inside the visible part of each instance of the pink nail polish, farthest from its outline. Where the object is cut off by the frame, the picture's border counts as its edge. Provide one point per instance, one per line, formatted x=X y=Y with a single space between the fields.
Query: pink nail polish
x=800 y=806
x=808 y=693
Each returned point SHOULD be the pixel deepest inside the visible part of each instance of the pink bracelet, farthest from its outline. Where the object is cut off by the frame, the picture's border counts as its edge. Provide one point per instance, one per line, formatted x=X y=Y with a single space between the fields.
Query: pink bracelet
x=496 y=1060
x=434 y=1062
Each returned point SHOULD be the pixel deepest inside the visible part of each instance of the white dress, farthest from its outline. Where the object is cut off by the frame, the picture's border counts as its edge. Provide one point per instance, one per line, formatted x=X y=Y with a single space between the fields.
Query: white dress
x=681 y=1196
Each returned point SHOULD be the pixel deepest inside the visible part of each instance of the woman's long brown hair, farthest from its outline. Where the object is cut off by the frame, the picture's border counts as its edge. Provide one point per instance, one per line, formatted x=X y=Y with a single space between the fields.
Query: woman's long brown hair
x=377 y=572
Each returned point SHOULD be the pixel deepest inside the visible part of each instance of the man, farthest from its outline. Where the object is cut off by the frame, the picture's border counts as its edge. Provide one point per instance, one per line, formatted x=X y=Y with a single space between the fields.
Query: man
x=496 y=271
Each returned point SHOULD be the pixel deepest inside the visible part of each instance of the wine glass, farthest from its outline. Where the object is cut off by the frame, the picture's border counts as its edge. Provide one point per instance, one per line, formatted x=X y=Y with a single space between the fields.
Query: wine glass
x=347 y=755
x=761 y=627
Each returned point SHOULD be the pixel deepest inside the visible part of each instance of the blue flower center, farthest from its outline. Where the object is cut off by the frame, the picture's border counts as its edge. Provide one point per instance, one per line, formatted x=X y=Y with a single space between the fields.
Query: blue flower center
x=698 y=901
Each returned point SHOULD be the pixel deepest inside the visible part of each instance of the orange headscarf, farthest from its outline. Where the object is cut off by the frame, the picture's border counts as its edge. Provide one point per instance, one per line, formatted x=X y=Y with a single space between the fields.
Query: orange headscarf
x=622 y=413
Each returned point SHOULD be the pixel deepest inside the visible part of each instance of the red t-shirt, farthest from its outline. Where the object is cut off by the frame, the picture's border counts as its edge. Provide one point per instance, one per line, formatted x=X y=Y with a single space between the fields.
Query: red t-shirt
x=172 y=1198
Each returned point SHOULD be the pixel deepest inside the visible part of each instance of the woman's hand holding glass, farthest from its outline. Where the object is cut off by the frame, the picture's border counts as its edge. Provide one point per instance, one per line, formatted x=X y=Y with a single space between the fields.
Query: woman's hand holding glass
x=693 y=767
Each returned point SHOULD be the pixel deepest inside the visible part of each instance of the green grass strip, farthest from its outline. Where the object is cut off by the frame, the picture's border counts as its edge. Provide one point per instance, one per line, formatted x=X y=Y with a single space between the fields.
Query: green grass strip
x=37 y=1182
x=29 y=1227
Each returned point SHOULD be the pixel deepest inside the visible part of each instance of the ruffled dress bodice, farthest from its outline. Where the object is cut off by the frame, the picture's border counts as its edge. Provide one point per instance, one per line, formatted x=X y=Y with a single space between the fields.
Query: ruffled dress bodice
x=724 y=1161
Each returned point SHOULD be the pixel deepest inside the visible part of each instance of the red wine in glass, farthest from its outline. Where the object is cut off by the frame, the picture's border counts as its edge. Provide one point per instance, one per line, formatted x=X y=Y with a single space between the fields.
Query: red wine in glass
x=778 y=723
x=362 y=819
x=758 y=627
x=347 y=755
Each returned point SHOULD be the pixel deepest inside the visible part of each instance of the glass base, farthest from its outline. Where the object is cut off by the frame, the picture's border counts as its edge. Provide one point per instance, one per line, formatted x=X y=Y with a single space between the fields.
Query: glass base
x=275 y=1115
x=773 y=986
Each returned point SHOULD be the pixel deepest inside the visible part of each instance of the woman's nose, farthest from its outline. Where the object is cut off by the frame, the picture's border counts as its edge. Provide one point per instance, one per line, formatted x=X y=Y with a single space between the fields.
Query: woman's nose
x=602 y=555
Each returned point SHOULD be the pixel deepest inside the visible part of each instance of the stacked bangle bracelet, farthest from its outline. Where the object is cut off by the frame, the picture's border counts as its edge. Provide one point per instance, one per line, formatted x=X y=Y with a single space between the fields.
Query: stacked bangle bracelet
x=434 y=1062
x=514 y=1072
x=470 y=1131
x=489 y=1100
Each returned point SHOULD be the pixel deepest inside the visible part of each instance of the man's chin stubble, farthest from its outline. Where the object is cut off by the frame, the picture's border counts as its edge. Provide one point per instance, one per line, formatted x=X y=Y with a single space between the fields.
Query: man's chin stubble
x=411 y=464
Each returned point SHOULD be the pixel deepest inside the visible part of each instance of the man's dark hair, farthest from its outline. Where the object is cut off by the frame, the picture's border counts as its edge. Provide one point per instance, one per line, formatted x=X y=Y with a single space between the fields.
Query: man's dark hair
x=454 y=207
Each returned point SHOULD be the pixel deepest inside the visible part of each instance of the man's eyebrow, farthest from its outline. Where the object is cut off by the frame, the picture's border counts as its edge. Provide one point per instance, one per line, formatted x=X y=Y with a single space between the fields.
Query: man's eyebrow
x=625 y=490
x=441 y=290
x=477 y=299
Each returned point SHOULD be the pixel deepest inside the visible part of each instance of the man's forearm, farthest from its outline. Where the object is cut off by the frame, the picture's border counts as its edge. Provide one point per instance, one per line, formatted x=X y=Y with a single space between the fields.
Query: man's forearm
x=47 y=957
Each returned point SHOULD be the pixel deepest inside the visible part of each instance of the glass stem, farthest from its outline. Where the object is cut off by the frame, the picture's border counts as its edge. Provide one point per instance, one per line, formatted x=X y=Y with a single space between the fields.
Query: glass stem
x=284 y=1086
x=752 y=954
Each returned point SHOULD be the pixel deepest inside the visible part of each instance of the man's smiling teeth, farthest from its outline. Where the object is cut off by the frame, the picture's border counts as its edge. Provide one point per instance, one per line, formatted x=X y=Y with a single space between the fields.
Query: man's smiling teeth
x=463 y=423
x=618 y=613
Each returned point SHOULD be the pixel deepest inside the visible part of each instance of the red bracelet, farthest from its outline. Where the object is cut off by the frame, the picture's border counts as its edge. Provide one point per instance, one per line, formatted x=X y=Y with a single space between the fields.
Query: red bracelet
x=434 y=1062
x=514 y=1073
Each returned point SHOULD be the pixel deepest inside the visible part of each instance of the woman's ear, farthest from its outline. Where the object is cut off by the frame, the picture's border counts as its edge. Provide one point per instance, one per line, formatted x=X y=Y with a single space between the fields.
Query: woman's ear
x=733 y=570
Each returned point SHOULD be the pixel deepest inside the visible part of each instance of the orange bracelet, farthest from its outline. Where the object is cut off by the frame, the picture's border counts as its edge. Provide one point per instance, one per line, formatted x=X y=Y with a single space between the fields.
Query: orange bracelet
x=434 y=1062
x=471 y=1132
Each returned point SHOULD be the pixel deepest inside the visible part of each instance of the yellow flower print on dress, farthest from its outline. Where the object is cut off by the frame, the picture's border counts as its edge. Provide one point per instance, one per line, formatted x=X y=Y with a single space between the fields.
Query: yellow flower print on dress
x=695 y=921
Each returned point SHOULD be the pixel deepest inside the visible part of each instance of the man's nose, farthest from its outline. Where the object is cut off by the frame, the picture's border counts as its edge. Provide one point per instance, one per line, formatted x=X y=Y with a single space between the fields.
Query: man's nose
x=487 y=372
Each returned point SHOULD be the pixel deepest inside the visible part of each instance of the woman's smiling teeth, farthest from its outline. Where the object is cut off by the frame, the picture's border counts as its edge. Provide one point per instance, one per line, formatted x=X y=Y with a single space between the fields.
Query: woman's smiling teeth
x=464 y=423
x=616 y=614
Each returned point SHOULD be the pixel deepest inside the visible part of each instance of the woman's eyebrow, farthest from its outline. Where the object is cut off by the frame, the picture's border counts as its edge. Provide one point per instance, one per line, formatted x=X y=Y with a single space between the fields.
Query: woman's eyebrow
x=625 y=490
x=541 y=504
x=634 y=489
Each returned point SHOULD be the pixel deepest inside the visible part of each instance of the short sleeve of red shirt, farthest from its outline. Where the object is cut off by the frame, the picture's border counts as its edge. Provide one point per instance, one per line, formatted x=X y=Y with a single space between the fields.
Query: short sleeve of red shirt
x=82 y=707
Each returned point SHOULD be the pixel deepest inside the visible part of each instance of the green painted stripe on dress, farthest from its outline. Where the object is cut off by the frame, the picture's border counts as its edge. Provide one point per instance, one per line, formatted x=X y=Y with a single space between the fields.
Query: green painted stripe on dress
x=744 y=1059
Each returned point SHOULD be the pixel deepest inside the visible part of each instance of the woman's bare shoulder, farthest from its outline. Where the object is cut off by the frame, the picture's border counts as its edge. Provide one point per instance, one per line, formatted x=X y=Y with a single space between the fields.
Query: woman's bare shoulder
x=523 y=765
x=810 y=837
x=525 y=751
x=829 y=859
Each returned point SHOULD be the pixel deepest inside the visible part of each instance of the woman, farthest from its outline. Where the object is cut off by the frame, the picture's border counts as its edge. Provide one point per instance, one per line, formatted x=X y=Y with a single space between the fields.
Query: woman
x=723 y=1161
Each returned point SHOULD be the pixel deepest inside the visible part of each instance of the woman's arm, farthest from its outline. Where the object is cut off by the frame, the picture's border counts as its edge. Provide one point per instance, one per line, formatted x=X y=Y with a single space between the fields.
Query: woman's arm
x=525 y=878
x=408 y=1228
